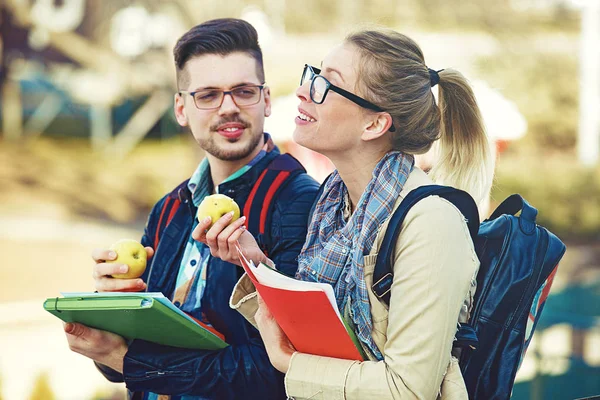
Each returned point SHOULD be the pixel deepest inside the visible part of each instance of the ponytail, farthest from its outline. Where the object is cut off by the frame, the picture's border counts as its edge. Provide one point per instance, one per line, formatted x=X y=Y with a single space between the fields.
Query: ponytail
x=463 y=157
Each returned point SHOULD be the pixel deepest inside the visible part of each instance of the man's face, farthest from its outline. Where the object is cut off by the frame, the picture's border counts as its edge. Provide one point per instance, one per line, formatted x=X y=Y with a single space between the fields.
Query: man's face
x=230 y=132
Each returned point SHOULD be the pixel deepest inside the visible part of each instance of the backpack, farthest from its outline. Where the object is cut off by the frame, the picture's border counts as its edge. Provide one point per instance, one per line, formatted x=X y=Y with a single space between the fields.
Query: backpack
x=518 y=261
x=257 y=206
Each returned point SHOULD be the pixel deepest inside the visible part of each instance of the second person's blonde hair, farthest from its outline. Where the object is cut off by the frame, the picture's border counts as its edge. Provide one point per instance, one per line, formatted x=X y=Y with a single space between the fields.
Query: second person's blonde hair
x=393 y=74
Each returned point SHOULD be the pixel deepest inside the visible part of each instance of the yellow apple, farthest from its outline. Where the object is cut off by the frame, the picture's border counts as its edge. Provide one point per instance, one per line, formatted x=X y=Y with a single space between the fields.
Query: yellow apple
x=217 y=205
x=131 y=253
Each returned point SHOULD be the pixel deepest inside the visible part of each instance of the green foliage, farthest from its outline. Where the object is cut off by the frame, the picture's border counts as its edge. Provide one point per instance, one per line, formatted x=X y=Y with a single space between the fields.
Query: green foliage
x=545 y=88
x=565 y=194
x=42 y=389
x=67 y=174
x=543 y=166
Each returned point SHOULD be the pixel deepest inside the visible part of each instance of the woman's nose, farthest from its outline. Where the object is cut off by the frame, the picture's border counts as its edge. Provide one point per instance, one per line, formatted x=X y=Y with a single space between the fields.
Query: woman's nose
x=303 y=92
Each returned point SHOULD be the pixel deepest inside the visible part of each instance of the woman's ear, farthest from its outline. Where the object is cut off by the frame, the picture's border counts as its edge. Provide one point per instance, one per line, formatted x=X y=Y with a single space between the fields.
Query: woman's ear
x=377 y=126
x=179 y=108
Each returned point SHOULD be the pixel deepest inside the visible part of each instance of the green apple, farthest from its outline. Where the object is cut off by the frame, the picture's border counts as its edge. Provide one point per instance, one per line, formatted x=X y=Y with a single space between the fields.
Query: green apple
x=131 y=253
x=217 y=205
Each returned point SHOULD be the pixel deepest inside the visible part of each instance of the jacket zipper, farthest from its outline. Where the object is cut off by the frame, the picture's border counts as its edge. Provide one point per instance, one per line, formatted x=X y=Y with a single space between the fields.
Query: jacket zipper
x=159 y=374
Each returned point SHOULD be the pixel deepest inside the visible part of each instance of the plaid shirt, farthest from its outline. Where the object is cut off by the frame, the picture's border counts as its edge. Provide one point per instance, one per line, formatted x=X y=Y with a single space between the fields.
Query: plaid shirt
x=191 y=279
x=334 y=248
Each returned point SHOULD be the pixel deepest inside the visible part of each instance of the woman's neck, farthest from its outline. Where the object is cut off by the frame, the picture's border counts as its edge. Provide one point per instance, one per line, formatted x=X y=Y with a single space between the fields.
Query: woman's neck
x=357 y=172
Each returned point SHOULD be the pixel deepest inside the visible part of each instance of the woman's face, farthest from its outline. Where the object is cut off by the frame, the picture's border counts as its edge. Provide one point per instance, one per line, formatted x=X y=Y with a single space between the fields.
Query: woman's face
x=335 y=125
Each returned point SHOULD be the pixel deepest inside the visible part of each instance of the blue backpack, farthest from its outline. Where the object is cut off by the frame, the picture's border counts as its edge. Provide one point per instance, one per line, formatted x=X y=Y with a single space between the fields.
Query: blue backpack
x=518 y=262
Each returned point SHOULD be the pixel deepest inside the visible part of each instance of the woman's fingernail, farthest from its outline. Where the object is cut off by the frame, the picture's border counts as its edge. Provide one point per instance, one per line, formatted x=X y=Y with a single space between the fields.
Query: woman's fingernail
x=112 y=254
x=243 y=218
x=229 y=214
x=123 y=268
x=206 y=220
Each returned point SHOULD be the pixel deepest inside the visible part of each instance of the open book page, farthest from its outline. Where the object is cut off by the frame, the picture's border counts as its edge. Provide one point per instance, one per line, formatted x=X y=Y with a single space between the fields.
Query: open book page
x=306 y=311
x=270 y=277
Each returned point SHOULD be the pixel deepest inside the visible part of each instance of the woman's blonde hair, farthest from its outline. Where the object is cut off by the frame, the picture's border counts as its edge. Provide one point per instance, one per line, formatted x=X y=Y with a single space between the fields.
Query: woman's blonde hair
x=393 y=74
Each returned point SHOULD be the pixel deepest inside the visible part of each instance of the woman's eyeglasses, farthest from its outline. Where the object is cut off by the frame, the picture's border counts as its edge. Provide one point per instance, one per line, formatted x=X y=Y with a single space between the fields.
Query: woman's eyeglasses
x=320 y=86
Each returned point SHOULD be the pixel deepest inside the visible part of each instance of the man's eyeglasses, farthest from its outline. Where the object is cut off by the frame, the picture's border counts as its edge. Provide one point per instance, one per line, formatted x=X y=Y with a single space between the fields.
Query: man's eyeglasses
x=210 y=99
x=320 y=86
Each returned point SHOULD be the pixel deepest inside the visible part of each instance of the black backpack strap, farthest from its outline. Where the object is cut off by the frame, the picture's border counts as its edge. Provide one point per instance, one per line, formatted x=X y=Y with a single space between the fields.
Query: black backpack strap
x=384 y=266
x=265 y=190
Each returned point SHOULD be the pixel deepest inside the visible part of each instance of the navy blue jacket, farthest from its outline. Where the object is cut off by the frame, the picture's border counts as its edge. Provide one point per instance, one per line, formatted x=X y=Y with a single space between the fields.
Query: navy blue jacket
x=243 y=368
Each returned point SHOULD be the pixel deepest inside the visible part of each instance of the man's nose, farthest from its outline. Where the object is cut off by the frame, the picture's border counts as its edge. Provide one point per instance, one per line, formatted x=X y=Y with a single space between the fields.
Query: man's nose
x=228 y=105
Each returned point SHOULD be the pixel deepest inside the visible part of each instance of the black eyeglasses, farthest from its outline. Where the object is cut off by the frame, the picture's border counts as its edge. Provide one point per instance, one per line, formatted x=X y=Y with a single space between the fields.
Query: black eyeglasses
x=210 y=99
x=320 y=86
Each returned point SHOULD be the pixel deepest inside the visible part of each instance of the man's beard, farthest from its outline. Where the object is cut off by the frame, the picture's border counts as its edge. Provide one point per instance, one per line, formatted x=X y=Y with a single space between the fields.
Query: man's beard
x=212 y=148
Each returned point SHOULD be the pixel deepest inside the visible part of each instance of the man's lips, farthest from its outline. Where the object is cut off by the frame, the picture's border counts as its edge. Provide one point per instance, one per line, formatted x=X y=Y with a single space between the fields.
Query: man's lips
x=231 y=130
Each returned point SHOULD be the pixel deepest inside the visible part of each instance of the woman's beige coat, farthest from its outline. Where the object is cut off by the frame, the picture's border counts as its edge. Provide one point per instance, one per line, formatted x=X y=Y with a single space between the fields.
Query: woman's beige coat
x=434 y=281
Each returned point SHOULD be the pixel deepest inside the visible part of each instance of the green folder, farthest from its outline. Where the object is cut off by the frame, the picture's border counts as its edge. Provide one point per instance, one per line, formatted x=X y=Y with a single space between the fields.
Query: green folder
x=135 y=316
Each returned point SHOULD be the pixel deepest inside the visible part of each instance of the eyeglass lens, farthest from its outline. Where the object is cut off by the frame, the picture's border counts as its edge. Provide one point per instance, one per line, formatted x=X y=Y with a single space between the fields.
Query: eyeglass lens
x=243 y=96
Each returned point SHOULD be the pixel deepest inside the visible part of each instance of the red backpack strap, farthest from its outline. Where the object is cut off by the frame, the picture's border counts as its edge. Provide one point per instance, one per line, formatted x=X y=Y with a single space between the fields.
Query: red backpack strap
x=264 y=191
x=169 y=208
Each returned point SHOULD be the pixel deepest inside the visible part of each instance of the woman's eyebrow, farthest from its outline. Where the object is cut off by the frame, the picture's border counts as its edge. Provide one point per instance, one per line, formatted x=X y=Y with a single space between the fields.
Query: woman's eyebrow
x=329 y=69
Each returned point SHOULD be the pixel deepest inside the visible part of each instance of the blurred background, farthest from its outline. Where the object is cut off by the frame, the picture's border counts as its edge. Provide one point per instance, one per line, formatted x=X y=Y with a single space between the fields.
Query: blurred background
x=88 y=143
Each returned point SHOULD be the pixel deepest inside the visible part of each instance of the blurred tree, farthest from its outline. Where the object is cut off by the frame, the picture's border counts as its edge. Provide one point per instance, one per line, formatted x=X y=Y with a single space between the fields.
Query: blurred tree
x=42 y=389
x=565 y=194
x=317 y=16
x=545 y=88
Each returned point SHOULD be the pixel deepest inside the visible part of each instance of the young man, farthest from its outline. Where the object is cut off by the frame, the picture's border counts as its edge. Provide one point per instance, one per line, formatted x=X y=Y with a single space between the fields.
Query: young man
x=223 y=99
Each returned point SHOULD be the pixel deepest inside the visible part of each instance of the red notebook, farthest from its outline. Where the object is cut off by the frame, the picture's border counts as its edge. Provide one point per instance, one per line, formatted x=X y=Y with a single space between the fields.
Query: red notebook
x=306 y=311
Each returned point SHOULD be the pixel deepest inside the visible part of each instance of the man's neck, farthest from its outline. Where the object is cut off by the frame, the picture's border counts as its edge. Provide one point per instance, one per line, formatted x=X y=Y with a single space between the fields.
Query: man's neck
x=223 y=169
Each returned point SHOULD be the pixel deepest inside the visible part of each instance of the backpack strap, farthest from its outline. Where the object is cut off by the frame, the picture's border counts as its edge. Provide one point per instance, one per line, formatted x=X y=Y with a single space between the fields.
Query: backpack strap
x=384 y=266
x=265 y=190
x=169 y=208
x=511 y=206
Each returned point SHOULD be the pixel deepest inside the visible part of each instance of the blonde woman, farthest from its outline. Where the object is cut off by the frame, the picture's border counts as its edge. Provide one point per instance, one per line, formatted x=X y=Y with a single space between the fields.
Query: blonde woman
x=370 y=108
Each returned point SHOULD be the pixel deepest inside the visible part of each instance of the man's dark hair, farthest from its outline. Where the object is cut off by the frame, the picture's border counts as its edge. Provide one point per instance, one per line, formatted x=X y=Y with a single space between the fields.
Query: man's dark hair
x=221 y=36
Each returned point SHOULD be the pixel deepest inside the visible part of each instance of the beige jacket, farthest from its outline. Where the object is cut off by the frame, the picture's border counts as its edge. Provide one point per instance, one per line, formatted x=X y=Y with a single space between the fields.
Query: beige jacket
x=434 y=279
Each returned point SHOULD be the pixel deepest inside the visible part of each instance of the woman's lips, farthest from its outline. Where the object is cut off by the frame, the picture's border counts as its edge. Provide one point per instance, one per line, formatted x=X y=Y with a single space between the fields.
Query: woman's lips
x=304 y=118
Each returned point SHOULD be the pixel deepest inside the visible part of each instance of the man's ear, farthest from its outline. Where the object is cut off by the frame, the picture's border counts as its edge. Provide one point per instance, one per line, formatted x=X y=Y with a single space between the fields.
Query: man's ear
x=377 y=125
x=179 y=108
x=267 y=94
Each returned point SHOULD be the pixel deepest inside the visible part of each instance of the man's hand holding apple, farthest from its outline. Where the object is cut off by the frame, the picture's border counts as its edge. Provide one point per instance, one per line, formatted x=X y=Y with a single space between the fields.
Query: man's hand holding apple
x=121 y=275
x=118 y=269
x=222 y=235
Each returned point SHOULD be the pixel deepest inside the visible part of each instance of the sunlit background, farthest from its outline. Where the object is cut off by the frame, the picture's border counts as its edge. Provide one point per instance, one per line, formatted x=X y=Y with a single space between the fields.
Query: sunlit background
x=88 y=143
